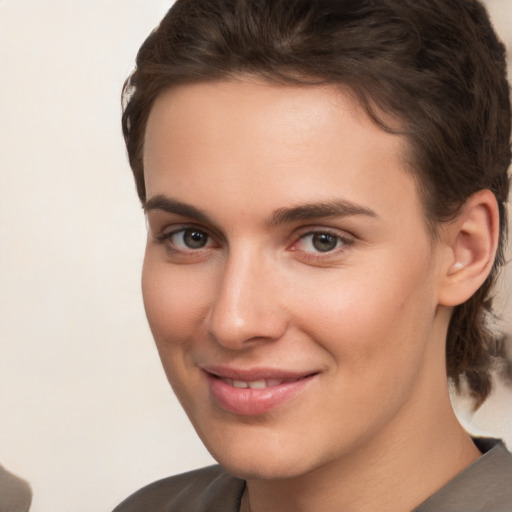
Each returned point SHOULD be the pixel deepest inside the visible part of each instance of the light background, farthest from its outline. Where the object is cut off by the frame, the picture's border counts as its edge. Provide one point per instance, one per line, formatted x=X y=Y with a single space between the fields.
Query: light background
x=86 y=414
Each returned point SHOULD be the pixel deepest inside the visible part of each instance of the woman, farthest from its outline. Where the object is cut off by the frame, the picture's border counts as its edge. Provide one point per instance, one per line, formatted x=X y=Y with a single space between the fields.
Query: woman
x=325 y=186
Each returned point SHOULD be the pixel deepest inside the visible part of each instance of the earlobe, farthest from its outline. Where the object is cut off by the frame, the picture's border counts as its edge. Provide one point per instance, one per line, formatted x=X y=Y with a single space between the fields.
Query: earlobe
x=472 y=240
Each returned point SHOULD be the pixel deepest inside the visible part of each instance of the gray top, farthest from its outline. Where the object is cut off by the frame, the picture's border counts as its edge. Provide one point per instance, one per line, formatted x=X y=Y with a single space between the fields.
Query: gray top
x=15 y=493
x=485 y=486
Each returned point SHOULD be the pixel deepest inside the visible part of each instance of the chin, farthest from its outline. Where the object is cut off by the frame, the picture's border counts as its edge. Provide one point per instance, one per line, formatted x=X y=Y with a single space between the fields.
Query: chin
x=268 y=469
x=250 y=461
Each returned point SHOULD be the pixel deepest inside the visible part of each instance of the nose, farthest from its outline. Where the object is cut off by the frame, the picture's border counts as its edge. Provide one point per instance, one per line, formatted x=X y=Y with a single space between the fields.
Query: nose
x=245 y=309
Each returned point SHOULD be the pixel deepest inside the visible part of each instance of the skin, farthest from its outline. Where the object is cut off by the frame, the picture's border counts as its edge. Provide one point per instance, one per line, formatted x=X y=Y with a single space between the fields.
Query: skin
x=366 y=320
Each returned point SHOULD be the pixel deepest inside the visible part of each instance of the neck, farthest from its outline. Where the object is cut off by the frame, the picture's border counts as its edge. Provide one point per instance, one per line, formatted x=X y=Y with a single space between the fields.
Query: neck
x=397 y=471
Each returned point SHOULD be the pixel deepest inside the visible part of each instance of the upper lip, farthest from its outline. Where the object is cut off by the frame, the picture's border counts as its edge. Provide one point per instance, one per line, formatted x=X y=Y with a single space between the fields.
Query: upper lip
x=254 y=374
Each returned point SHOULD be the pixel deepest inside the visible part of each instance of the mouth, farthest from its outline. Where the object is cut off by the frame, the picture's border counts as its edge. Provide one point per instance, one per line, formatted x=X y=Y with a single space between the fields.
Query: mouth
x=258 y=384
x=254 y=392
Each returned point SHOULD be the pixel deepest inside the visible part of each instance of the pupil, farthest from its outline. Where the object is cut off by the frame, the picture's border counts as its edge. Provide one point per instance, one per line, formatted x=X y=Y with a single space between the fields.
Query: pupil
x=194 y=239
x=324 y=242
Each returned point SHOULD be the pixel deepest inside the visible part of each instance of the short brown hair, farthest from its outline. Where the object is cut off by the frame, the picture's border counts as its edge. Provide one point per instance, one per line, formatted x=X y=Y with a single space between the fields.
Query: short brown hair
x=434 y=65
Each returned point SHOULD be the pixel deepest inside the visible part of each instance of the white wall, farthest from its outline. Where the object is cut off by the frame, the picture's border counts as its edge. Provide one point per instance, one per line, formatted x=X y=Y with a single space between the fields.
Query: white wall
x=85 y=412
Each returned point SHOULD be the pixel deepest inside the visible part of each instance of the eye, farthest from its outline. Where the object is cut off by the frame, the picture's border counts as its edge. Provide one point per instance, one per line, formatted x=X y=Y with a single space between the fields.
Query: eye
x=321 y=241
x=187 y=239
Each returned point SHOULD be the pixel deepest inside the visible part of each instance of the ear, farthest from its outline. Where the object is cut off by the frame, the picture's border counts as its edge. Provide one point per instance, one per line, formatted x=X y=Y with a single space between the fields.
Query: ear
x=471 y=241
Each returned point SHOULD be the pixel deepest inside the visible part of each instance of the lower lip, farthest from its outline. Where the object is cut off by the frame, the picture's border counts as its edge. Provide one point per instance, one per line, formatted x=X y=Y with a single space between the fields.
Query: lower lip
x=252 y=402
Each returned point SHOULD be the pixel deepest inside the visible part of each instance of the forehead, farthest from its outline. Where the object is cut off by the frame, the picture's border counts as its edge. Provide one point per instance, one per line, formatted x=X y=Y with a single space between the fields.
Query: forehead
x=246 y=138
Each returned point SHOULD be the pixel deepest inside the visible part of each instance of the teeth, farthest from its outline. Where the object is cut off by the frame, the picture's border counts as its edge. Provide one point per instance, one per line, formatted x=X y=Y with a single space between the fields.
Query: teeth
x=256 y=384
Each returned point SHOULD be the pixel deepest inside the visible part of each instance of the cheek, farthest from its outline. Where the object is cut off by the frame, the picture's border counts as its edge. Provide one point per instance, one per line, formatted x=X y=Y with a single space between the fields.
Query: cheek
x=174 y=304
x=373 y=316
x=174 y=301
x=377 y=335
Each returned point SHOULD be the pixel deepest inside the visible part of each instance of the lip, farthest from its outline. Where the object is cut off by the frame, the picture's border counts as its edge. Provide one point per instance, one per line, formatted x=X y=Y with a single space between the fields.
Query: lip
x=281 y=386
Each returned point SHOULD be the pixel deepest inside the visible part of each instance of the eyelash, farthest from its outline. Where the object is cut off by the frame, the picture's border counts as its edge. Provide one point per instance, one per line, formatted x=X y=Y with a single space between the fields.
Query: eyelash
x=165 y=238
x=341 y=242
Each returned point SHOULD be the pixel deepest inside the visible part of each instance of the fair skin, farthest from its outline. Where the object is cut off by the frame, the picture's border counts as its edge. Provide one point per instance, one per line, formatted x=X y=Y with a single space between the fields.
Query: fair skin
x=297 y=300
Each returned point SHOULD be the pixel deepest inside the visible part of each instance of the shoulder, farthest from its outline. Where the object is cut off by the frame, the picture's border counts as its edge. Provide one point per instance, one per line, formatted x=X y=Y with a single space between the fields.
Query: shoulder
x=15 y=493
x=209 y=489
x=485 y=486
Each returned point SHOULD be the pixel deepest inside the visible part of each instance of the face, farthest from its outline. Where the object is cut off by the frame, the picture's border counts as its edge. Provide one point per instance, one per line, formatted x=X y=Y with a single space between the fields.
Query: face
x=289 y=279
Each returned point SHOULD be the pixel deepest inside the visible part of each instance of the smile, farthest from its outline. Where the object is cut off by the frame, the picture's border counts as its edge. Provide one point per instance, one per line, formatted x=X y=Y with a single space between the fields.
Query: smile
x=248 y=394
x=256 y=384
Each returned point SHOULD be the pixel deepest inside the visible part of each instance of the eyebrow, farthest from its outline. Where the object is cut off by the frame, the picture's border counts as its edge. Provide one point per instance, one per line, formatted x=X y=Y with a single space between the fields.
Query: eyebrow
x=319 y=211
x=310 y=211
x=170 y=205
